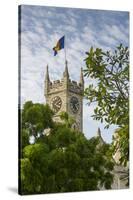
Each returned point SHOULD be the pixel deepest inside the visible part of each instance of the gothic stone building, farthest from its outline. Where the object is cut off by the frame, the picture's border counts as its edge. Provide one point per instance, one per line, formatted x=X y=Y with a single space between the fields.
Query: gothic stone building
x=66 y=95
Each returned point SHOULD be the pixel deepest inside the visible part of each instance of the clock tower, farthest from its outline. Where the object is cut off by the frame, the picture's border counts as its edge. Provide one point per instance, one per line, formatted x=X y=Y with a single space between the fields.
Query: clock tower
x=66 y=95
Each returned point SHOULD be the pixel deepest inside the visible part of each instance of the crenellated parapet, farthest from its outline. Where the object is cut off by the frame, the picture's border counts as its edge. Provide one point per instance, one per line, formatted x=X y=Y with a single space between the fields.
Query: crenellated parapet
x=64 y=84
x=56 y=85
x=75 y=87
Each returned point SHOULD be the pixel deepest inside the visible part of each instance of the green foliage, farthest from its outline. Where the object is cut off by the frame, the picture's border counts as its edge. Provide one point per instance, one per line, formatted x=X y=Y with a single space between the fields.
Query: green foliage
x=110 y=93
x=71 y=163
x=64 y=160
x=35 y=118
x=24 y=138
x=121 y=144
x=111 y=72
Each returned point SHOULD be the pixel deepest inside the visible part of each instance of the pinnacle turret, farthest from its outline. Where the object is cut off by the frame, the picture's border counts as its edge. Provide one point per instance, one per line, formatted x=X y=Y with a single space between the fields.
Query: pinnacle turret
x=81 y=77
x=47 y=74
x=99 y=132
x=66 y=73
x=47 y=81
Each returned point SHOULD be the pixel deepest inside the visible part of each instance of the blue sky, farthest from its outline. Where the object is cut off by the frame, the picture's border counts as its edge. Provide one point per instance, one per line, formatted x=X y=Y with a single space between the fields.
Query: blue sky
x=41 y=27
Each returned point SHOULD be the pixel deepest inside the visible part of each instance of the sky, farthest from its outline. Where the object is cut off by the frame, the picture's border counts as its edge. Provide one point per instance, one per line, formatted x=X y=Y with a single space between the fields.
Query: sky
x=41 y=27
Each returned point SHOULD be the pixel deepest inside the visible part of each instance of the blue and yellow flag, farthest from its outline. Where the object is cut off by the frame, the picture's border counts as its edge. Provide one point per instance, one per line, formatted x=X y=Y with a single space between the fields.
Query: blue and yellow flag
x=59 y=45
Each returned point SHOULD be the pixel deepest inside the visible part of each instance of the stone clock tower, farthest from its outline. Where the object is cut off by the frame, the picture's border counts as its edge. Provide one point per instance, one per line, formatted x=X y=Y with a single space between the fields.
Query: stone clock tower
x=66 y=95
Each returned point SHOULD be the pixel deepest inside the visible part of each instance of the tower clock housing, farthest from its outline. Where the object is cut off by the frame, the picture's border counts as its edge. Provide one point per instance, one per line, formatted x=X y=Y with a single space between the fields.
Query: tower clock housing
x=66 y=95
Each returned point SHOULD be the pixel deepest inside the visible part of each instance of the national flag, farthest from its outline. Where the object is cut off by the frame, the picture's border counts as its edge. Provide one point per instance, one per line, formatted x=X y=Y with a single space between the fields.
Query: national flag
x=59 y=45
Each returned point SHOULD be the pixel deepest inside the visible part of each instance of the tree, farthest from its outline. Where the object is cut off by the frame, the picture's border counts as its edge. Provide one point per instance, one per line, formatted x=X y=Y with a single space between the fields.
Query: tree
x=35 y=118
x=63 y=161
x=110 y=91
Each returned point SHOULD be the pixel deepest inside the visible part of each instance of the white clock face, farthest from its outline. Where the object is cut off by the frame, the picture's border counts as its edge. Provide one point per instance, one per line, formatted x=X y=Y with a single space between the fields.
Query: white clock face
x=74 y=104
x=56 y=103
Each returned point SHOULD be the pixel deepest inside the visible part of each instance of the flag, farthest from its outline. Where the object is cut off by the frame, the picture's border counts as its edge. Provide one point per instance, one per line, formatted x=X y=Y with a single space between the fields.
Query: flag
x=59 y=45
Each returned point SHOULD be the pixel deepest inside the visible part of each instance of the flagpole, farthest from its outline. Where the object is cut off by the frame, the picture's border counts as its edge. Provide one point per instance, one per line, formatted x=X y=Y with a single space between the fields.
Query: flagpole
x=65 y=51
x=65 y=54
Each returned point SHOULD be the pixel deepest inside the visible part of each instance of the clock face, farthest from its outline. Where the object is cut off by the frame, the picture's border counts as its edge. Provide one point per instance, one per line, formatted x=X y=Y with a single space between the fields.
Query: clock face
x=56 y=104
x=74 y=104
